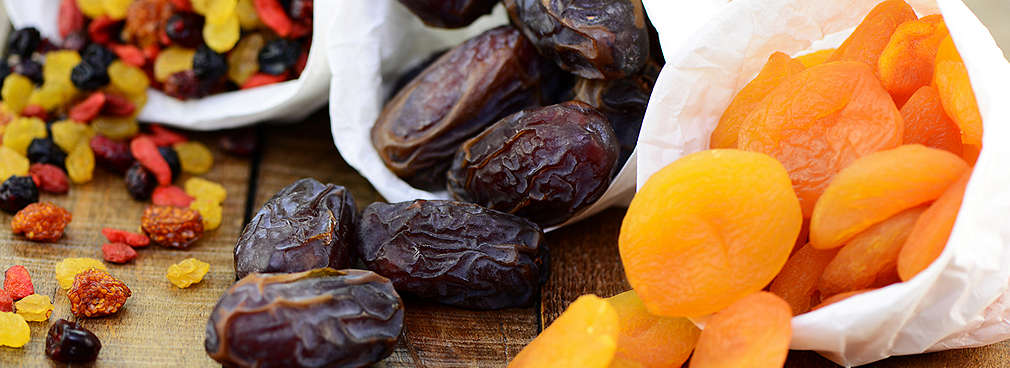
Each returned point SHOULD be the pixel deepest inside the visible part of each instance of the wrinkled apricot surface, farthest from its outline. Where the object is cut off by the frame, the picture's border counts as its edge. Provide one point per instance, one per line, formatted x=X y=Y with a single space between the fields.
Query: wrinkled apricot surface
x=927 y=124
x=778 y=68
x=906 y=64
x=797 y=282
x=649 y=341
x=929 y=236
x=869 y=256
x=971 y=152
x=585 y=335
x=815 y=58
x=820 y=121
x=870 y=38
x=879 y=186
x=839 y=297
x=752 y=332
x=708 y=229
x=954 y=87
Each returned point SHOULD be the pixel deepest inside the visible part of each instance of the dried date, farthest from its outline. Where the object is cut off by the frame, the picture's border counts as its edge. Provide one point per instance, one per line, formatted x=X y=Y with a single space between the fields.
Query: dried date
x=455 y=253
x=449 y=14
x=317 y=318
x=544 y=164
x=472 y=86
x=594 y=39
x=623 y=101
x=306 y=225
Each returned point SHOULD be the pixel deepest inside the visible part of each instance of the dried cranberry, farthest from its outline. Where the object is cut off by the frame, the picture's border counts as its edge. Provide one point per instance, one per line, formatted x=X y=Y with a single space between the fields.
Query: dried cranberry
x=24 y=41
x=113 y=155
x=140 y=182
x=278 y=56
x=184 y=85
x=17 y=192
x=44 y=151
x=185 y=29
x=68 y=342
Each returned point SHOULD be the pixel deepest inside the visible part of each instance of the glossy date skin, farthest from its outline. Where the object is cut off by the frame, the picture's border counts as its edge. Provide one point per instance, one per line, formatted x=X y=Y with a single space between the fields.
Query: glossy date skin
x=317 y=318
x=455 y=253
x=306 y=225
x=594 y=39
x=623 y=101
x=467 y=89
x=544 y=164
x=449 y=14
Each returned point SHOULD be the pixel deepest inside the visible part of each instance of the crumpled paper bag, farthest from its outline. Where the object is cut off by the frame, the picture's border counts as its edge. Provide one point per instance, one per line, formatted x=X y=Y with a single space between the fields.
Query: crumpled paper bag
x=372 y=42
x=962 y=299
x=289 y=101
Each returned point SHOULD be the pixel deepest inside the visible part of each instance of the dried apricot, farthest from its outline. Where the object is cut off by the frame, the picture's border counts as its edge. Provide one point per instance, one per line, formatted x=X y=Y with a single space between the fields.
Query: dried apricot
x=927 y=124
x=68 y=268
x=839 y=297
x=649 y=341
x=906 y=63
x=34 y=307
x=971 y=152
x=14 y=331
x=41 y=221
x=752 y=332
x=871 y=36
x=929 y=235
x=954 y=87
x=879 y=186
x=585 y=335
x=797 y=282
x=708 y=229
x=187 y=272
x=820 y=121
x=778 y=68
x=96 y=293
x=816 y=57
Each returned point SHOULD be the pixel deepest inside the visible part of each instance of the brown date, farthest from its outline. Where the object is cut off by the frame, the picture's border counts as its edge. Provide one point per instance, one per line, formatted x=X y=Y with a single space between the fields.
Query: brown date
x=623 y=101
x=449 y=14
x=544 y=164
x=467 y=89
x=306 y=225
x=455 y=253
x=594 y=39
x=317 y=318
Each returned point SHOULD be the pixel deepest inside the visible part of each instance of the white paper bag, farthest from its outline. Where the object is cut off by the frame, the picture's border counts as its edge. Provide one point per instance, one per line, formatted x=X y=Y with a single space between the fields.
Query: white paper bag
x=289 y=101
x=961 y=300
x=372 y=42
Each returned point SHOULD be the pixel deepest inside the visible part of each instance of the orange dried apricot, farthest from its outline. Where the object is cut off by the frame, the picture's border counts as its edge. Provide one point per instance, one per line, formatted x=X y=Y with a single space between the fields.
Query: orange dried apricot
x=708 y=229
x=649 y=341
x=954 y=87
x=971 y=152
x=820 y=121
x=778 y=68
x=815 y=58
x=870 y=37
x=585 y=335
x=906 y=64
x=871 y=255
x=797 y=282
x=879 y=186
x=929 y=236
x=927 y=124
x=839 y=297
x=752 y=332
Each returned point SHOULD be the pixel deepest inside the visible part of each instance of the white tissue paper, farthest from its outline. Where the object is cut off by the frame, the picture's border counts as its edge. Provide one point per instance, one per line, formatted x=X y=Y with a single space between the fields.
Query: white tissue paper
x=961 y=300
x=289 y=101
x=372 y=42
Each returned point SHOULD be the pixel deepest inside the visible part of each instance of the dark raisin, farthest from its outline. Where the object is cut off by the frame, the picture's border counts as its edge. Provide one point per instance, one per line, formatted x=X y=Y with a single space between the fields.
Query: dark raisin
x=44 y=151
x=300 y=9
x=449 y=14
x=306 y=225
x=113 y=155
x=24 y=41
x=319 y=318
x=140 y=182
x=17 y=192
x=240 y=142
x=623 y=101
x=88 y=77
x=98 y=55
x=172 y=158
x=208 y=64
x=185 y=29
x=68 y=342
x=75 y=41
x=278 y=56
x=31 y=69
x=184 y=85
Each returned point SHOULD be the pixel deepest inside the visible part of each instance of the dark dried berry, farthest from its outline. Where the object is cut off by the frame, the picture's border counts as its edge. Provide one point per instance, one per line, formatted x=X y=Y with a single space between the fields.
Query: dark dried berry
x=5 y=70
x=449 y=14
x=185 y=29
x=68 y=342
x=241 y=142
x=140 y=182
x=306 y=225
x=319 y=318
x=184 y=85
x=113 y=155
x=208 y=64
x=455 y=253
x=301 y=9
x=30 y=69
x=44 y=151
x=172 y=159
x=278 y=56
x=24 y=41
x=89 y=77
x=17 y=192
x=98 y=55
x=75 y=41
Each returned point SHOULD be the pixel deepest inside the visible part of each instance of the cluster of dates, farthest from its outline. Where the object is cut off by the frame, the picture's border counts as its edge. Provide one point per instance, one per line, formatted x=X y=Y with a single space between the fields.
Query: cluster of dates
x=532 y=118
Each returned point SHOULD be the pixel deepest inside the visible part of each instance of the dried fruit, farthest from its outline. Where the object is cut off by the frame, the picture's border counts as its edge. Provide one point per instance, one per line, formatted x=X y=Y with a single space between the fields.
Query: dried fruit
x=954 y=87
x=24 y=41
x=17 y=282
x=778 y=69
x=205 y=189
x=184 y=85
x=306 y=225
x=128 y=79
x=80 y=164
x=262 y=79
x=96 y=293
x=815 y=58
x=906 y=63
x=170 y=195
x=278 y=56
x=68 y=268
x=49 y=178
x=12 y=164
x=752 y=332
x=455 y=253
x=187 y=272
x=927 y=124
x=797 y=282
x=14 y=331
x=118 y=106
x=117 y=128
x=98 y=55
x=331 y=318
x=584 y=335
x=68 y=342
x=221 y=37
x=44 y=151
x=929 y=236
x=59 y=65
x=194 y=157
x=869 y=39
x=145 y=21
x=69 y=19
x=208 y=64
x=34 y=307
x=21 y=131
x=172 y=159
x=118 y=253
x=272 y=14
x=163 y=137
x=17 y=192
x=87 y=76
x=146 y=152
x=30 y=69
x=839 y=297
x=88 y=109
x=15 y=92
x=113 y=155
x=172 y=60
x=243 y=60
x=122 y=236
x=140 y=183
x=708 y=229
x=6 y=302
x=172 y=227
x=455 y=14
x=210 y=211
x=645 y=340
x=623 y=102
x=43 y=221
x=129 y=55
x=68 y=134
x=248 y=18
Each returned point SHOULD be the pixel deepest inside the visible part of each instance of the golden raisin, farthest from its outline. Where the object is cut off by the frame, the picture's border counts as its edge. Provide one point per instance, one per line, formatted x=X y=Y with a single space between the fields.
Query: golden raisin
x=34 y=307
x=188 y=272
x=68 y=268
x=14 y=331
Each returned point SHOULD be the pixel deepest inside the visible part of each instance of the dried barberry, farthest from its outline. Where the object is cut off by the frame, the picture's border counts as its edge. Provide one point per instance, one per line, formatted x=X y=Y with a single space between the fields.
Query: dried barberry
x=112 y=155
x=24 y=41
x=18 y=283
x=17 y=192
x=140 y=182
x=118 y=252
x=172 y=227
x=49 y=178
x=44 y=151
x=43 y=221
x=96 y=293
x=185 y=29
x=278 y=56
x=122 y=236
x=68 y=342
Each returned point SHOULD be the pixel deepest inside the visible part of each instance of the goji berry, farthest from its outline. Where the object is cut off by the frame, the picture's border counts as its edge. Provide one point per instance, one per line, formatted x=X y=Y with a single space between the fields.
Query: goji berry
x=41 y=221
x=262 y=79
x=49 y=178
x=122 y=236
x=165 y=137
x=170 y=195
x=117 y=105
x=182 y=5
x=151 y=53
x=129 y=54
x=70 y=18
x=103 y=30
x=96 y=293
x=18 y=283
x=273 y=15
x=6 y=302
x=88 y=109
x=118 y=252
x=34 y=111
x=146 y=152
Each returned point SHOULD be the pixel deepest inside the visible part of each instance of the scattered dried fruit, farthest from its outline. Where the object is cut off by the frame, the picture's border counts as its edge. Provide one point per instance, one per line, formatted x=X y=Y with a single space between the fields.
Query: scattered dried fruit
x=118 y=253
x=68 y=342
x=18 y=283
x=17 y=192
x=14 y=331
x=34 y=307
x=43 y=222
x=68 y=268
x=187 y=272
x=172 y=227
x=646 y=340
x=170 y=195
x=585 y=335
x=49 y=178
x=122 y=236
x=96 y=293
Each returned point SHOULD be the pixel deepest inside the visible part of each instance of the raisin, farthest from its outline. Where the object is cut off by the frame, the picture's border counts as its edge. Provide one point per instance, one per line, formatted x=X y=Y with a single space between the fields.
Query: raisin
x=112 y=155
x=278 y=56
x=543 y=164
x=128 y=79
x=24 y=41
x=17 y=192
x=205 y=189
x=89 y=77
x=208 y=64
x=68 y=342
x=356 y=317
x=243 y=59
x=172 y=159
x=172 y=60
x=147 y=153
x=623 y=101
x=170 y=195
x=306 y=225
x=456 y=14
x=81 y=164
x=184 y=85
x=34 y=307
x=210 y=211
x=172 y=227
x=187 y=272
x=247 y=16
x=96 y=293
x=140 y=182
x=14 y=330
x=455 y=253
x=6 y=302
x=49 y=178
x=68 y=268
x=118 y=253
x=118 y=128
x=194 y=157
x=222 y=37
x=20 y=133
x=15 y=92
x=98 y=55
x=43 y=221
x=184 y=29
x=30 y=69
x=18 y=283
x=68 y=134
x=44 y=151
x=122 y=236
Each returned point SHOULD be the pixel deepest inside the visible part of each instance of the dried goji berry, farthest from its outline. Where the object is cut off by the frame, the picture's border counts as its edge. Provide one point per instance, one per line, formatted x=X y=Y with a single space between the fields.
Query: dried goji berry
x=262 y=79
x=96 y=293
x=117 y=105
x=88 y=109
x=34 y=111
x=6 y=302
x=172 y=227
x=122 y=236
x=49 y=178
x=146 y=152
x=103 y=30
x=273 y=15
x=70 y=18
x=165 y=137
x=18 y=283
x=41 y=221
x=182 y=5
x=118 y=252
x=170 y=195
x=129 y=54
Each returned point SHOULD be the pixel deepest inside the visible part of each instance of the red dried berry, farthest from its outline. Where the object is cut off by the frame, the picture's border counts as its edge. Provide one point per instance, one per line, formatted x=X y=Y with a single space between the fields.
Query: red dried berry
x=241 y=142
x=118 y=253
x=303 y=59
x=182 y=5
x=88 y=109
x=6 y=302
x=34 y=111
x=262 y=79
x=113 y=155
x=172 y=227
x=170 y=195
x=163 y=137
x=151 y=53
x=41 y=221
x=103 y=30
x=184 y=85
x=272 y=14
x=122 y=236
x=49 y=178
x=146 y=152
x=129 y=54
x=18 y=283
x=96 y=293
x=70 y=19
x=116 y=105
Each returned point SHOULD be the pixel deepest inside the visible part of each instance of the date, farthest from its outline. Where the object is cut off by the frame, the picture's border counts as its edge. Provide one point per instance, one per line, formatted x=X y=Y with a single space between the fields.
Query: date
x=623 y=101
x=467 y=89
x=544 y=164
x=306 y=225
x=455 y=253
x=317 y=318
x=449 y=14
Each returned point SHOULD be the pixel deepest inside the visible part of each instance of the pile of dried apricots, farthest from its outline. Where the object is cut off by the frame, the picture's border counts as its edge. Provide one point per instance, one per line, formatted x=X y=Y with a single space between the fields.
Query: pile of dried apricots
x=830 y=174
